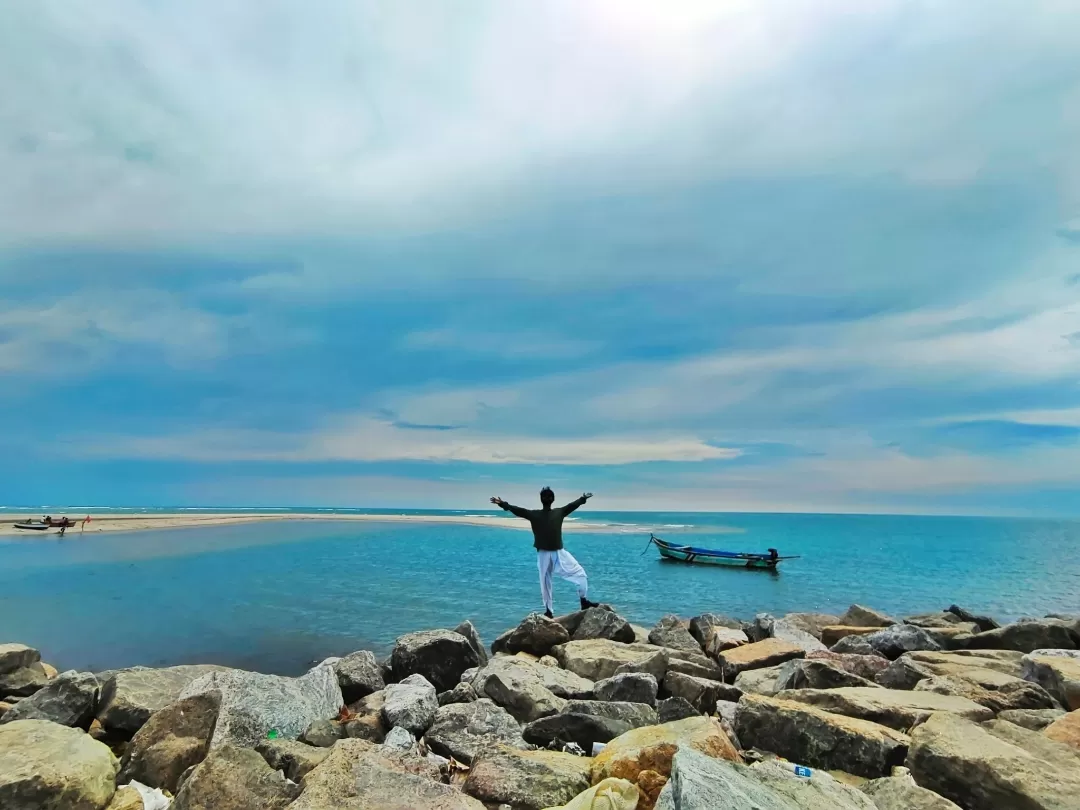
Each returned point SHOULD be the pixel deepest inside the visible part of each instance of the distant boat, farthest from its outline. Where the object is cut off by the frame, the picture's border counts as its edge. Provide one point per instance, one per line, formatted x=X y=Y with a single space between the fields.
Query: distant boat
x=33 y=525
x=708 y=556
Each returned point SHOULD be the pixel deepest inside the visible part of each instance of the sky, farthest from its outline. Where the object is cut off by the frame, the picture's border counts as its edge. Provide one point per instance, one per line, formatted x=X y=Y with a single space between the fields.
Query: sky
x=751 y=255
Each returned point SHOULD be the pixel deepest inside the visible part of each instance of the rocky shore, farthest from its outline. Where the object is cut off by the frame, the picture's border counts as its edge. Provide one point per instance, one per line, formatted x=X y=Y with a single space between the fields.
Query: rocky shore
x=930 y=712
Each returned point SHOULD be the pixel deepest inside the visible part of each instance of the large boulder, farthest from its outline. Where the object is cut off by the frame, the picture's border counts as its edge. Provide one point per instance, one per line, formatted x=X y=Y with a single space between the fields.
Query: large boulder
x=462 y=729
x=439 y=655
x=369 y=723
x=759 y=655
x=462 y=693
x=1026 y=637
x=172 y=740
x=524 y=697
x=575 y=727
x=861 y=616
x=790 y=631
x=471 y=635
x=896 y=709
x=673 y=633
x=44 y=765
x=993 y=766
x=1015 y=695
x=849 y=640
x=1031 y=719
x=760 y=681
x=597 y=659
x=411 y=704
x=68 y=699
x=697 y=665
x=600 y=622
x=630 y=687
x=701 y=693
x=635 y=715
x=816 y=674
x=894 y=641
x=560 y=682
x=24 y=681
x=527 y=780
x=655 y=664
x=901 y=793
x=536 y=635
x=1056 y=671
x=17 y=656
x=812 y=623
x=720 y=639
x=983 y=622
x=865 y=666
x=702 y=627
x=1066 y=729
x=232 y=778
x=806 y=734
x=675 y=708
x=991 y=669
x=130 y=696
x=358 y=675
x=294 y=759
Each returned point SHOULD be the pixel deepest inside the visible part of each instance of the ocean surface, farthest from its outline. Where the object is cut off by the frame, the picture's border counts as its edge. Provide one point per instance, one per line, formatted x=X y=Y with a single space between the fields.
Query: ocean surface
x=277 y=597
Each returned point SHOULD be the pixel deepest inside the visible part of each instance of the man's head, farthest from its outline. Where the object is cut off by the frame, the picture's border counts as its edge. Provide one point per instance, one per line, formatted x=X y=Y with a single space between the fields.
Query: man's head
x=547 y=497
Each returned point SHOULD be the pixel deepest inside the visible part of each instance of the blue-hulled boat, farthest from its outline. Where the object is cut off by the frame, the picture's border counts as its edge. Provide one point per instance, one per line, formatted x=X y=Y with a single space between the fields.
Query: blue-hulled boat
x=708 y=556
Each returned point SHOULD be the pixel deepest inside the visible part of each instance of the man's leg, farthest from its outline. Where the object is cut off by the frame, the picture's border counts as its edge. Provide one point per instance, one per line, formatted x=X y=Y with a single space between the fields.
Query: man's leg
x=545 y=561
x=570 y=569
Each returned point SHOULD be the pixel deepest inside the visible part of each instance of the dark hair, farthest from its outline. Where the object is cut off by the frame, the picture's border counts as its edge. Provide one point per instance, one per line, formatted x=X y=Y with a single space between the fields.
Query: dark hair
x=546 y=491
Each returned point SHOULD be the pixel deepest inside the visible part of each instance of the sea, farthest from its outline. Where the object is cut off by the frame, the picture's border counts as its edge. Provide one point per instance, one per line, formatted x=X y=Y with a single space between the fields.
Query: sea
x=280 y=596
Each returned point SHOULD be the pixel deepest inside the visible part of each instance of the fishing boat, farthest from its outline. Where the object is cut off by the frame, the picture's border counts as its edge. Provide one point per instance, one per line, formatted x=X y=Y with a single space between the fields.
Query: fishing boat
x=708 y=556
x=32 y=525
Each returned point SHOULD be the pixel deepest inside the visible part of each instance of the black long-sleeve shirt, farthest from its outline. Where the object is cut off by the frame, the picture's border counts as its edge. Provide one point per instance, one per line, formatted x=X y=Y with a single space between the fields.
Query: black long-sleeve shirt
x=546 y=523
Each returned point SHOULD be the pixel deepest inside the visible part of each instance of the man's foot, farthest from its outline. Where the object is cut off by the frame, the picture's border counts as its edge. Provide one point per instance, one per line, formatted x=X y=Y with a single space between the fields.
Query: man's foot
x=549 y=614
x=585 y=603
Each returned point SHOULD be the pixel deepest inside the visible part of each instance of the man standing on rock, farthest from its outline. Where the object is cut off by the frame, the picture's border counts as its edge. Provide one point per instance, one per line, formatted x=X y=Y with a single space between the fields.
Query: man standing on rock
x=551 y=557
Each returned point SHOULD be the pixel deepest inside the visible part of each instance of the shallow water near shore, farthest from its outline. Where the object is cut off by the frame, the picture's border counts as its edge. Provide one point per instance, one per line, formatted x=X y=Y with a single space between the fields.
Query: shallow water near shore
x=276 y=597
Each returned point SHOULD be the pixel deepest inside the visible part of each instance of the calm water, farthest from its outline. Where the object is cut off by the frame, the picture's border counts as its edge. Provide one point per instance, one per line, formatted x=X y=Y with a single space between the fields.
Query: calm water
x=275 y=597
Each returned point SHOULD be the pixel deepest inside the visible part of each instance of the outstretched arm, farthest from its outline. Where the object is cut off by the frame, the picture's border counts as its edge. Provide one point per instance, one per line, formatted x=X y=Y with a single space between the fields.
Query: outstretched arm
x=509 y=507
x=570 y=507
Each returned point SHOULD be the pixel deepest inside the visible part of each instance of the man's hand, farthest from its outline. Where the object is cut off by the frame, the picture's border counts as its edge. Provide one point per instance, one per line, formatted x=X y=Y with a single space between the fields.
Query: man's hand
x=499 y=502
x=586 y=495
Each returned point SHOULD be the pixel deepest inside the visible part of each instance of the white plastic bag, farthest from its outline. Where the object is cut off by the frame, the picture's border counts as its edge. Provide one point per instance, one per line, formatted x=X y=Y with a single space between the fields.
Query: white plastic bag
x=152 y=798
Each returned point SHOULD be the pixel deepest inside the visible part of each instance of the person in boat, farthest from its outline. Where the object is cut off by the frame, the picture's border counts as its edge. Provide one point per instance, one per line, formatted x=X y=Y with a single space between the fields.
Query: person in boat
x=551 y=557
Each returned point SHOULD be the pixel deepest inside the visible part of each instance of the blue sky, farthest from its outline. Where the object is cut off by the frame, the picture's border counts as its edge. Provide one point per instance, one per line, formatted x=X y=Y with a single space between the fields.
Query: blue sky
x=750 y=255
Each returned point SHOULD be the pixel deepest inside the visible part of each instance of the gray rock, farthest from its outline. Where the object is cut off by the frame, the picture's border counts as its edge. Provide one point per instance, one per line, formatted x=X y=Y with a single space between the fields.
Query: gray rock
x=462 y=693
x=634 y=715
x=812 y=623
x=854 y=645
x=1056 y=671
x=896 y=709
x=675 y=708
x=369 y=725
x=524 y=697
x=787 y=630
x=631 y=687
x=471 y=635
x=232 y=778
x=536 y=635
x=171 y=741
x=763 y=681
x=583 y=729
x=17 y=656
x=984 y=622
x=760 y=628
x=816 y=674
x=527 y=780
x=904 y=673
x=894 y=641
x=295 y=759
x=1012 y=695
x=558 y=681
x=901 y=793
x=700 y=626
x=400 y=739
x=439 y=655
x=323 y=733
x=1026 y=637
x=698 y=665
x=671 y=632
x=865 y=666
x=701 y=693
x=655 y=664
x=253 y=703
x=411 y=704
x=600 y=623
x=358 y=675
x=46 y=766
x=463 y=729
x=130 y=696
x=861 y=616
x=68 y=699
x=1031 y=719
x=23 y=682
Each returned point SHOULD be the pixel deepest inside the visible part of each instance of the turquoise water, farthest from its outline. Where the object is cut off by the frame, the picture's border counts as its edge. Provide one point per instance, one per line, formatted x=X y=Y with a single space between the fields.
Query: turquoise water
x=277 y=596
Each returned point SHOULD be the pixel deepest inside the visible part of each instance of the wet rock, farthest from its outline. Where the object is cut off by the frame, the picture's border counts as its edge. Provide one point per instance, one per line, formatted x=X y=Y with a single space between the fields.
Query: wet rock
x=993 y=766
x=583 y=729
x=602 y=623
x=462 y=729
x=894 y=641
x=130 y=696
x=861 y=616
x=527 y=780
x=171 y=741
x=1015 y=695
x=1066 y=729
x=253 y=703
x=631 y=687
x=524 y=697
x=901 y=793
x=462 y=693
x=69 y=699
x=673 y=633
x=791 y=632
x=1031 y=719
x=44 y=765
x=816 y=674
x=411 y=704
x=821 y=739
x=701 y=693
x=893 y=708
x=635 y=715
x=232 y=778
x=675 y=708
x=295 y=759
x=469 y=632
x=440 y=656
x=1056 y=671
x=23 y=681
x=1026 y=637
x=559 y=682
x=358 y=675
x=323 y=733
x=759 y=655
x=17 y=656
x=984 y=622
x=760 y=681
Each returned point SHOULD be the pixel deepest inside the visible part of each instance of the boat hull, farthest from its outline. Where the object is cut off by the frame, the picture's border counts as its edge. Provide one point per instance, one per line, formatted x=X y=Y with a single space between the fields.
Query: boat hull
x=33 y=527
x=706 y=559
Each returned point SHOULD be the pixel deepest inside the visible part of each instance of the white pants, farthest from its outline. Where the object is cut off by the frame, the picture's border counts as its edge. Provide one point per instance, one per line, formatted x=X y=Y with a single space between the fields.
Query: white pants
x=560 y=562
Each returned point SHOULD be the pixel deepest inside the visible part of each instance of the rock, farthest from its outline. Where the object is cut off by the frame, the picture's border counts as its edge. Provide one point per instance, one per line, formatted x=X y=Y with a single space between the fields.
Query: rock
x=172 y=740
x=400 y=739
x=723 y=638
x=942 y=619
x=641 y=634
x=1026 y=637
x=440 y=656
x=558 y=681
x=583 y=729
x=701 y=693
x=1015 y=695
x=675 y=708
x=17 y=656
x=759 y=655
x=1031 y=719
x=370 y=727
x=1066 y=729
x=411 y=704
x=527 y=780
x=631 y=687
x=673 y=633
x=697 y=665
x=655 y=664
x=893 y=708
x=358 y=775
x=130 y=696
x=760 y=681
x=358 y=675
x=598 y=659
x=894 y=641
x=993 y=766
x=548 y=661
x=821 y=739
x=126 y=798
x=701 y=625
x=635 y=715
x=69 y=699
x=295 y=759
x=791 y=632
x=44 y=765
x=525 y=698
x=469 y=632
x=253 y=703
x=23 y=682
x=989 y=672
x=323 y=733
x=984 y=622
x=901 y=793
x=831 y=634
x=232 y=778
x=462 y=693
x=854 y=644
x=1056 y=671
x=860 y=616
x=601 y=623
x=812 y=623
x=5 y=707
x=865 y=666
x=462 y=729
x=536 y=634
x=816 y=674
x=1008 y=662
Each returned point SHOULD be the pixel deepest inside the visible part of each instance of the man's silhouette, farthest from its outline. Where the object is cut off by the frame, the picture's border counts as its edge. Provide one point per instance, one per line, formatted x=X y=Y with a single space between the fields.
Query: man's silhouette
x=551 y=557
